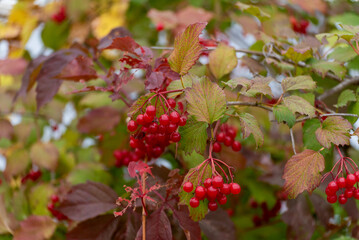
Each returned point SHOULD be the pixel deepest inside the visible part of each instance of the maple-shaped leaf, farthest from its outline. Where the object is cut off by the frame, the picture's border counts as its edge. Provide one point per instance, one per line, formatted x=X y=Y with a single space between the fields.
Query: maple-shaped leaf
x=222 y=60
x=298 y=82
x=345 y=97
x=252 y=87
x=187 y=81
x=298 y=54
x=88 y=200
x=283 y=114
x=206 y=101
x=299 y=105
x=302 y=172
x=187 y=48
x=191 y=228
x=6 y=129
x=99 y=120
x=249 y=125
x=158 y=227
x=193 y=136
x=218 y=225
x=334 y=130
x=253 y=10
x=44 y=155
x=80 y=68
x=323 y=67
x=36 y=228
x=126 y=44
x=12 y=66
x=154 y=80
x=115 y=33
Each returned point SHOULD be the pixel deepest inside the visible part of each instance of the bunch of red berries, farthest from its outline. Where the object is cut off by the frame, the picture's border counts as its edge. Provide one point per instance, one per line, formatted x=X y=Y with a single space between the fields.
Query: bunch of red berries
x=347 y=188
x=51 y=207
x=60 y=16
x=152 y=134
x=213 y=189
x=299 y=26
x=227 y=136
x=124 y=157
x=32 y=175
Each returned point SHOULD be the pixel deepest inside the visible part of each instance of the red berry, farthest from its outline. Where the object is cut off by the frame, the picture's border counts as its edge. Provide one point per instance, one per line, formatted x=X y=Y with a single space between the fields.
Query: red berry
x=226 y=189
x=220 y=137
x=356 y=194
x=147 y=118
x=207 y=183
x=341 y=182
x=159 y=27
x=194 y=202
x=328 y=192
x=200 y=192
x=182 y=121
x=151 y=110
x=235 y=188
x=164 y=120
x=212 y=206
x=139 y=153
x=175 y=117
x=351 y=180
x=172 y=127
x=157 y=151
x=236 y=146
x=175 y=137
x=188 y=187
x=217 y=181
x=133 y=143
x=212 y=192
x=161 y=129
x=153 y=127
x=231 y=132
x=342 y=199
x=332 y=199
x=356 y=174
x=348 y=193
x=54 y=198
x=222 y=200
x=333 y=187
x=50 y=206
x=132 y=126
x=140 y=119
x=217 y=147
x=171 y=102
x=228 y=141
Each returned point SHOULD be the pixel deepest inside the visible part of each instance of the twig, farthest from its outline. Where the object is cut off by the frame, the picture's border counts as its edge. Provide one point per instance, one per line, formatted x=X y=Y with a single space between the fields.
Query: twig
x=292 y=138
x=255 y=104
x=327 y=115
x=144 y=206
x=338 y=87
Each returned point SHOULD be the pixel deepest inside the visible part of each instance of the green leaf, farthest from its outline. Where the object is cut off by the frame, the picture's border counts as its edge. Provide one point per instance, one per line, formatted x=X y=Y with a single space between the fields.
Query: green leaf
x=44 y=155
x=353 y=108
x=302 y=172
x=298 y=54
x=334 y=130
x=348 y=18
x=136 y=106
x=323 y=67
x=193 y=176
x=309 y=139
x=283 y=114
x=54 y=35
x=193 y=136
x=253 y=10
x=39 y=198
x=206 y=101
x=187 y=81
x=89 y=172
x=16 y=163
x=299 y=82
x=222 y=60
x=193 y=159
x=300 y=105
x=252 y=87
x=187 y=49
x=249 y=125
x=346 y=96
x=342 y=54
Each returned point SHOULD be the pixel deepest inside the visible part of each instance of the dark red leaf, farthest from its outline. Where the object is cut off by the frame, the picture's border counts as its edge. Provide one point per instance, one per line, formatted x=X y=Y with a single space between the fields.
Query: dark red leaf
x=352 y=209
x=218 y=225
x=126 y=44
x=158 y=227
x=161 y=65
x=190 y=227
x=80 y=68
x=13 y=66
x=115 y=33
x=154 y=80
x=35 y=228
x=99 y=120
x=99 y=228
x=87 y=200
x=322 y=208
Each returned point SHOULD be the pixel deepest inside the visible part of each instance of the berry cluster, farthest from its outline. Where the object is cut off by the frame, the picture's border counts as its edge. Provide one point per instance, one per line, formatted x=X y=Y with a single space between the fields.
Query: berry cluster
x=227 y=136
x=124 y=157
x=32 y=175
x=51 y=207
x=267 y=214
x=213 y=189
x=299 y=26
x=60 y=16
x=347 y=188
x=152 y=134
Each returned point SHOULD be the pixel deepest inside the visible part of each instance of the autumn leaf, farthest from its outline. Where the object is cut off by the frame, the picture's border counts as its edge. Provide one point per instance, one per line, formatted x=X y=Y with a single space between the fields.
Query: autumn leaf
x=80 y=68
x=249 y=125
x=44 y=155
x=158 y=226
x=187 y=49
x=302 y=172
x=345 y=97
x=206 y=101
x=298 y=82
x=38 y=227
x=99 y=120
x=334 y=130
x=298 y=54
x=222 y=60
x=252 y=87
x=253 y=10
x=283 y=114
x=193 y=136
x=299 y=105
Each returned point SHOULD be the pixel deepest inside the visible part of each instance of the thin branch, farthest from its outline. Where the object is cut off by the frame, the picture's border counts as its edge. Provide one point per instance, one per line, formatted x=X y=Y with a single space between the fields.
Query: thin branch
x=328 y=114
x=338 y=87
x=292 y=138
x=252 y=104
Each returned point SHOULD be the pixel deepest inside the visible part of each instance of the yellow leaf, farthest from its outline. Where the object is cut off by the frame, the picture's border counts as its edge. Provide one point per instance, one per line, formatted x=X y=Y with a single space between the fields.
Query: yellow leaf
x=6 y=80
x=9 y=31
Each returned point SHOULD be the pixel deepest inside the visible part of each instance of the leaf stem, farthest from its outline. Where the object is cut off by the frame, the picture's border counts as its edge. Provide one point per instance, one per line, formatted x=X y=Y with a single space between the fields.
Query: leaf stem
x=292 y=139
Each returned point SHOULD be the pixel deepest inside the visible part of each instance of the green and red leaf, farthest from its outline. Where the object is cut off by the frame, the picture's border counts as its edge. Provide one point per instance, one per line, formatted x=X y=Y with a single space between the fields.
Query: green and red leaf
x=334 y=130
x=193 y=136
x=222 y=60
x=299 y=105
x=298 y=82
x=249 y=125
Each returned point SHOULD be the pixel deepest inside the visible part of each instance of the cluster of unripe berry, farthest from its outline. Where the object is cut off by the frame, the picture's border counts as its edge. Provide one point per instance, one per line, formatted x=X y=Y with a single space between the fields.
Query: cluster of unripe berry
x=227 y=136
x=213 y=189
x=51 y=207
x=124 y=157
x=152 y=134
x=32 y=175
x=347 y=189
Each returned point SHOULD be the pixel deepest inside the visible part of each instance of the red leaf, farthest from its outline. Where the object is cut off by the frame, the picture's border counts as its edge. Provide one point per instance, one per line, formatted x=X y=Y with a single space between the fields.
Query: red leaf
x=35 y=228
x=190 y=227
x=87 y=200
x=115 y=33
x=6 y=129
x=158 y=227
x=162 y=65
x=99 y=228
x=13 y=66
x=218 y=225
x=126 y=44
x=154 y=80
x=80 y=68
x=99 y=120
